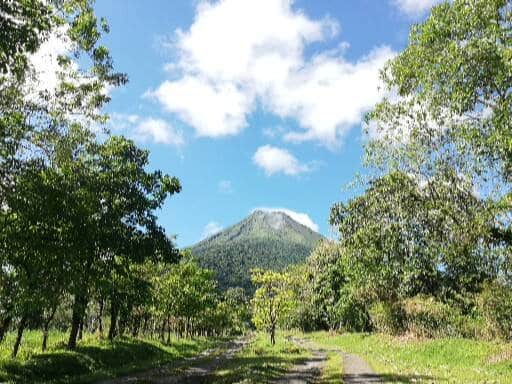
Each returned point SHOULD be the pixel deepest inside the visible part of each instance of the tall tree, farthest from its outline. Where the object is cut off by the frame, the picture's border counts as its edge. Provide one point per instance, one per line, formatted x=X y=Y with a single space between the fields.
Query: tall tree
x=452 y=102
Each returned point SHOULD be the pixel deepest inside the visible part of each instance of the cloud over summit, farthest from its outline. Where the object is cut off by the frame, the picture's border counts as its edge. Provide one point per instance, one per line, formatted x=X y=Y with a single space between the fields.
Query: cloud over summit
x=239 y=55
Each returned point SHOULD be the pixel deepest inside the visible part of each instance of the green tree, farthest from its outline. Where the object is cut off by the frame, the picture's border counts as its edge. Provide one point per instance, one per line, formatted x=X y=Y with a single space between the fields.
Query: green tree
x=272 y=301
x=453 y=102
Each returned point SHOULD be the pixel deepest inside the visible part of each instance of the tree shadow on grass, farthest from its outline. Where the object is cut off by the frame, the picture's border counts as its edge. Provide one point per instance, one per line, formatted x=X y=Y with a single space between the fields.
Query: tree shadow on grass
x=387 y=378
x=103 y=360
x=257 y=369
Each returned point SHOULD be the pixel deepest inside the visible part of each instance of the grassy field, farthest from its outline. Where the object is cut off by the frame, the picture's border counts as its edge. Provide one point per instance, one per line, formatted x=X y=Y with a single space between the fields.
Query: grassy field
x=94 y=359
x=428 y=361
x=260 y=362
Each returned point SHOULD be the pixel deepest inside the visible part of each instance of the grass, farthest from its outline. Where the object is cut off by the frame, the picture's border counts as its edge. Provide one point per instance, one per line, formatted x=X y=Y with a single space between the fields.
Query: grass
x=448 y=360
x=93 y=360
x=332 y=372
x=260 y=362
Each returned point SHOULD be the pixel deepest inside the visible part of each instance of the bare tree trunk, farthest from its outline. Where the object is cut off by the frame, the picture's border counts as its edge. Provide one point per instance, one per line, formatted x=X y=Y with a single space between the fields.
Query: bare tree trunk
x=78 y=314
x=162 y=331
x=17 y=343
x=114 y=311
x=273 y=334
x=46 y=327
x=168 y=330
x=145 y=325
x=81 y=329
x=100 y=318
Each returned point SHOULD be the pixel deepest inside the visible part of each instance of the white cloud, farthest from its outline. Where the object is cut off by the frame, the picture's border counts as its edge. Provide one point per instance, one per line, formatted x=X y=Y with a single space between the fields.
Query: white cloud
x=158 y=131
x=146 y=129
x=45 y=64
x=213 y=109
x=239 y=54
x=225 y=186
x=300 y=217
x=275 y=160
x=211 y=229
x=415 y=8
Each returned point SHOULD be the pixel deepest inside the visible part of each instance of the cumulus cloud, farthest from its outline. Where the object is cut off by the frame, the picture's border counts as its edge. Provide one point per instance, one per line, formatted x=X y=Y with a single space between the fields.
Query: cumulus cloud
x=415 y=8
x=158 y=131
x=276 y=160
x=300 y=217
x=211 y=229
x=240 y=54
x=147 y=129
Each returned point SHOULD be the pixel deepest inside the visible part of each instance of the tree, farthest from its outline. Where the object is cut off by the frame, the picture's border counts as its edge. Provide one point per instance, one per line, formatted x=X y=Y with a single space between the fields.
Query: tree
x=272 y=300
x=453 y=102
x=401 y=240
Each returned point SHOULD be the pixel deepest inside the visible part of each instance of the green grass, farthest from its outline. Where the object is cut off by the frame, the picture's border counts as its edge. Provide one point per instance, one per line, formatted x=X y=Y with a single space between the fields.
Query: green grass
x=94 y=359
x=260 y=362
x=332 y=372
x=448 y=360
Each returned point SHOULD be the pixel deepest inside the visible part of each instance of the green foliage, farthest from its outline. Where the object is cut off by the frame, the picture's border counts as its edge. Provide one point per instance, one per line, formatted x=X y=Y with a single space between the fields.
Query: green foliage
x=457 y=63
x=495 y=305
x=262 y=240
x=93 y=360
x=272 y=301
x=387 y=318
x=78 y=213
x=427 y=317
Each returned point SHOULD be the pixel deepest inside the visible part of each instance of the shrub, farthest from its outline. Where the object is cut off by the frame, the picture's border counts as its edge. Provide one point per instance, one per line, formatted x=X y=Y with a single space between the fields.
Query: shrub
x=495 y=305
x=387 y=317
x=472 y=327
x=428 y=317
x=350 y=314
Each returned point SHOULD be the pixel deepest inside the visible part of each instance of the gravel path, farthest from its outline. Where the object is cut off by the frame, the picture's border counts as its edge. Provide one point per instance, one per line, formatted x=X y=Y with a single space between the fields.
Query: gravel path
x=191 y=370
x=306 y=372
x=357 y=371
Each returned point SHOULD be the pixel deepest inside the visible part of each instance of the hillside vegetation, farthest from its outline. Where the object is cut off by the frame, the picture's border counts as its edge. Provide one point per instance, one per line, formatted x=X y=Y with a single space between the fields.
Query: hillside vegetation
x=268 y=240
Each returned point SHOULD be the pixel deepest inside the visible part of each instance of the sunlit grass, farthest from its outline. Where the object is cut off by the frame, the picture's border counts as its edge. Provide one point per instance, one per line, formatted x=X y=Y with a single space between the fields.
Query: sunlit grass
x=332 y=372
x=260 y=361
x=94 y=359
x=448 y=360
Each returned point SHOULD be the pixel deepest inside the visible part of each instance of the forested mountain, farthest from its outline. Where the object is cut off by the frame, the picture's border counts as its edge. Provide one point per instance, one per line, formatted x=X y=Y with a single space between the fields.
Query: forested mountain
x=270 y=240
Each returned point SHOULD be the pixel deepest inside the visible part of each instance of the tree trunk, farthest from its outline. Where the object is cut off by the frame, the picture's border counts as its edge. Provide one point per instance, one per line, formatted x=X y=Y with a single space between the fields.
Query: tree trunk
x=168 y=330
x=137 y=320
x=76 y=319
x=145 y=326
x=114 y=311
x=273 y=334
x=162 y=331
x=46 y=327
x=81 y=330
x=100 y=319
x=4 y=327
x=21 y=328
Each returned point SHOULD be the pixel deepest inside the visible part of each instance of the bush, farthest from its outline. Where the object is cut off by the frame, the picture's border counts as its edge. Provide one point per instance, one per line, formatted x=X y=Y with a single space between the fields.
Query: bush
x=387 y=317
x=495 y=305
x=350 y=314
x=472 y=327
x=428 y=317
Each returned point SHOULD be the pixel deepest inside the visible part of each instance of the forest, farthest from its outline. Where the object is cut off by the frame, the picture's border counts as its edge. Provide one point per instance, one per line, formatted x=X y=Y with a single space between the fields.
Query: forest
x=424 y=253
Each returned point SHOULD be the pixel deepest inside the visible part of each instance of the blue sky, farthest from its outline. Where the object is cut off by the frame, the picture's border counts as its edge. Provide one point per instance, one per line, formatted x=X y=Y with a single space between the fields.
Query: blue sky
x=251 y=103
